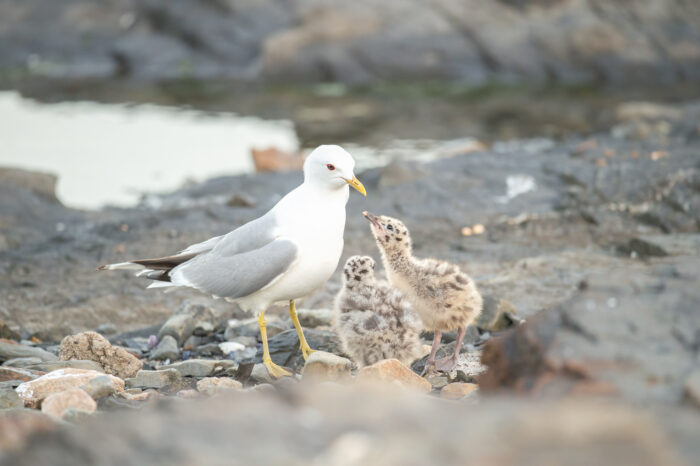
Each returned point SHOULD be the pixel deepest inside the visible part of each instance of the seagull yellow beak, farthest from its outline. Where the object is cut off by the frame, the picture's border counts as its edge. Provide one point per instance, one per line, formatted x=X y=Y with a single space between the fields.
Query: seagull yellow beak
x=355 y=183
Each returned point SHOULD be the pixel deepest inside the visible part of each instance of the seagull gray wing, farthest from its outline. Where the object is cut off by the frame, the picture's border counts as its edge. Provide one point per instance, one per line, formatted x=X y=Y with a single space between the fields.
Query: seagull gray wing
x=236 y=275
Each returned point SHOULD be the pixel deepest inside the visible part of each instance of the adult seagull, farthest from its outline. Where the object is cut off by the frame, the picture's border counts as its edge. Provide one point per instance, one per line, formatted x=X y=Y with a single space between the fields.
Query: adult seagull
x=282 y=256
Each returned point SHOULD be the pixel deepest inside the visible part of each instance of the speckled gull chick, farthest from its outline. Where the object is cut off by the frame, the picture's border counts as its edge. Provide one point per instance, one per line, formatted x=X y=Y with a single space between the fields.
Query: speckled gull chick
x=444 y=296
x=284 y=255
x=373 y=320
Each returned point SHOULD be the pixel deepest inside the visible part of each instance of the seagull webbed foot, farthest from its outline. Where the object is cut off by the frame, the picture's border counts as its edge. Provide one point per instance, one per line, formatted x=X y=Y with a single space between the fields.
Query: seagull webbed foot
x=274 y=370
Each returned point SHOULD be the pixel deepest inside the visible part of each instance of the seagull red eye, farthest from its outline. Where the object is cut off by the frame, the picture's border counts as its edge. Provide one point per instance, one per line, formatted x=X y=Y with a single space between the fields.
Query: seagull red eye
x=330 y=166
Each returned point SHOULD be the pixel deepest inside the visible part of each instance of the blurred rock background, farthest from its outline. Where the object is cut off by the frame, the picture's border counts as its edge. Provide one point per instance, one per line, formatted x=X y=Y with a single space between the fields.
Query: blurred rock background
x=550 y=148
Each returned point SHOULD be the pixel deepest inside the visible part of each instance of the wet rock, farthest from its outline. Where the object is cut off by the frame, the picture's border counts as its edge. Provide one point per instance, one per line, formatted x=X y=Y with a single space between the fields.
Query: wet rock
x=178 y=326
x=58 y=403
x=73 y=364
x=154 y=379
x=13 y=373
x=326 y=366
x=214 y=385
x=18 y=426
x=7 y=332
x=312 y=318
x=200 y=367
x=11 y=350
x=391 y=370
x=99 y=387
x=9 y=399
x=457 y=390
x=284 y=347
x=33 y=392
x=93 y=346
x=166 y=349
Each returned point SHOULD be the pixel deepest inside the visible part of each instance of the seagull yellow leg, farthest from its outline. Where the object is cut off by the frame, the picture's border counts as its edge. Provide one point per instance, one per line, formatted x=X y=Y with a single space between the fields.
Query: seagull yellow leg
x=305 y=348
x=274 y=370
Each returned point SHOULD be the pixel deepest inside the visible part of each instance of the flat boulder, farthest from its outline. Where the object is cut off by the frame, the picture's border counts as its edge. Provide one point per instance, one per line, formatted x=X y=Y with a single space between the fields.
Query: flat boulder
x=390 y=371
x=35 y=391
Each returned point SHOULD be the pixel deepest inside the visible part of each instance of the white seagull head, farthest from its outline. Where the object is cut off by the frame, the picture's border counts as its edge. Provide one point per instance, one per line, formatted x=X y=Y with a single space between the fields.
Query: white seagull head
x=331 y=166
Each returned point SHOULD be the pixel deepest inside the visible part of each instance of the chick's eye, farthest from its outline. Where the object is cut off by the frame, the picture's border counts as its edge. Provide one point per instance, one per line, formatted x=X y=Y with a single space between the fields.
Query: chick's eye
x=330 y=166
x=390 y=227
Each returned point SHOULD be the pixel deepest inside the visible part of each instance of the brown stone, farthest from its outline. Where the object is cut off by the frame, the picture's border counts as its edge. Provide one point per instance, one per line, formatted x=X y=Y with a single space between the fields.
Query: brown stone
x=95 y=347
x=213 y=385
x=58 y=403
x=35 y=391
x=14 y=373
x=390 y=370
x=272 y=159
x=326 y=366
x=18 y=425
x=457 y=390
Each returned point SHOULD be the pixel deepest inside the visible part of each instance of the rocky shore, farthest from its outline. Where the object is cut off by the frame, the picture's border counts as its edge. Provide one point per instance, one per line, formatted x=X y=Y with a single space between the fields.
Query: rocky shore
x=573 y=42
x=586 y=250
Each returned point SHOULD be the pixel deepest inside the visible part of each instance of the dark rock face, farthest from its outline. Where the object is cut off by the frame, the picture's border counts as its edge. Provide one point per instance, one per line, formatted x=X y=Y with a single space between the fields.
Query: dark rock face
x=631 y=331
x=577 y=41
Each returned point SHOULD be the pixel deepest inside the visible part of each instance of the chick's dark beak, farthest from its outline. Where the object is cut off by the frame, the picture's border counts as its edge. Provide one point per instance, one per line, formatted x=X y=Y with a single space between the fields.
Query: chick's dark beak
x=372 y=219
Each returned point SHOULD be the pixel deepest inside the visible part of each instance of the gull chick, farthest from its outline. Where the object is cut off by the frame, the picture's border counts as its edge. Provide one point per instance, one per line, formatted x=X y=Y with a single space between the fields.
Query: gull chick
x=444 y=297
x=282 y=256
x=373 y=320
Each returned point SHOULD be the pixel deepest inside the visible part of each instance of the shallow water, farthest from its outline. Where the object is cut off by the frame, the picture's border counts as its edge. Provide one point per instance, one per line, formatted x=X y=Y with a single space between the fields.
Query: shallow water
x=109 y=154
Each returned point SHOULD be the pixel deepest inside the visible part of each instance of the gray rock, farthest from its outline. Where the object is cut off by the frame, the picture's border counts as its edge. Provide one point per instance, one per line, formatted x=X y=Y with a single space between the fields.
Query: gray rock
x=12 y=351
x=99 y=387
x=245 y=340
x=154 y=379
x=313 y=318
x=166 y=349
x=9 y=399
x=74 y=363
x=617 y=321
x=284 y=347
x=210 y=349
x=22 y=362
x=6 y=331
x=260 y=375
x=692 y=388
x=107 y=329
x=178 y=326
x=437 y=381
x=200 y=367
